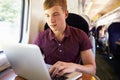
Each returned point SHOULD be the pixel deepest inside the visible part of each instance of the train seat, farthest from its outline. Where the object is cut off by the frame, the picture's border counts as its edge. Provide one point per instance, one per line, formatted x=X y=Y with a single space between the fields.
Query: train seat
x=114 y=35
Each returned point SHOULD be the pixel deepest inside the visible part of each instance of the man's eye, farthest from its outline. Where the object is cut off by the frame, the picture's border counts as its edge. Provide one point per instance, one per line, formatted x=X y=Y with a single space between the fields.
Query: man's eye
x=56 y=14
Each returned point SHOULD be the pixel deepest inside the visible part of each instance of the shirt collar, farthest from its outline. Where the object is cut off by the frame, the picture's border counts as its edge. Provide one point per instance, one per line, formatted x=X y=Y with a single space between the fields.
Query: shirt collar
x=67 y=33
x=51 y=35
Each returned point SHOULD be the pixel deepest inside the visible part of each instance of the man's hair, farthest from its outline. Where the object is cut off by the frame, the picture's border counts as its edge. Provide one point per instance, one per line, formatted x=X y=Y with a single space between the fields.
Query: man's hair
x=50 y=3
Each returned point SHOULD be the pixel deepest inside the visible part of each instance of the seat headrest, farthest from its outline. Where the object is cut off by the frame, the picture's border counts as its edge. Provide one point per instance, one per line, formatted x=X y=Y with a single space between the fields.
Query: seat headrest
x=114 y=27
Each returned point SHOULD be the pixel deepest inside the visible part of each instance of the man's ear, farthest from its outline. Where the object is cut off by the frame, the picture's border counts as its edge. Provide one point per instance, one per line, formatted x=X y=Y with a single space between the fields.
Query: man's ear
x=66 y=14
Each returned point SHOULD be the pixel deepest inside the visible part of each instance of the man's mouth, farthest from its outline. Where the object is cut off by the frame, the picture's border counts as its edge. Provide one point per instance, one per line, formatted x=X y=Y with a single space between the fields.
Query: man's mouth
x=53 y=25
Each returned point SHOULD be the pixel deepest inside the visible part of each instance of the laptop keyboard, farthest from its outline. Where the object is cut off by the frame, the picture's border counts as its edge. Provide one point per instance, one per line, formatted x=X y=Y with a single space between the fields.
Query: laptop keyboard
x=59 y=78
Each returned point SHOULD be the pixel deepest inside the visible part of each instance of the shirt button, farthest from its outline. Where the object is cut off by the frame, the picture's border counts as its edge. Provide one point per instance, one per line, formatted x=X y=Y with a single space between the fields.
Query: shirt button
x=60 y=50
x=59 y=44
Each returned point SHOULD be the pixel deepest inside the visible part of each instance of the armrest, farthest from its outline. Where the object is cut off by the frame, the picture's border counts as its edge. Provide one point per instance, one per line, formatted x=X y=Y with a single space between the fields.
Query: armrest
x=4 y=64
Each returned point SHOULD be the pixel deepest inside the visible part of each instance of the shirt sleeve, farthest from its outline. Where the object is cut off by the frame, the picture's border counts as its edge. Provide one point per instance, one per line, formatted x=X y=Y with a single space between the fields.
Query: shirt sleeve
x=85 y=43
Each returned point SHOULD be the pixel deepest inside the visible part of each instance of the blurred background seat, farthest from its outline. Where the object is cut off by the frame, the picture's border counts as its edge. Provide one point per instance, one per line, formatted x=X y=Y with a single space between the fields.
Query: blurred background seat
x=114 y=35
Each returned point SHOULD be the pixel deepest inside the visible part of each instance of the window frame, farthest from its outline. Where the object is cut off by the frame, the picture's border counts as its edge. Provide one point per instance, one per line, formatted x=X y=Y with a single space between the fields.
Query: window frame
x=25 y=19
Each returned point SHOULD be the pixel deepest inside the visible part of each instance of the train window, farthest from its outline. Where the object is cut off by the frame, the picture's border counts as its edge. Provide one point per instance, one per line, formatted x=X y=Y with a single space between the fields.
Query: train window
x=11 y=14
x=14 y=16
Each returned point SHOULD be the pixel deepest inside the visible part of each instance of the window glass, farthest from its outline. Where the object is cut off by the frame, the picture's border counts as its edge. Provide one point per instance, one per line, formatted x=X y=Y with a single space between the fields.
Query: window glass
x=10 y=20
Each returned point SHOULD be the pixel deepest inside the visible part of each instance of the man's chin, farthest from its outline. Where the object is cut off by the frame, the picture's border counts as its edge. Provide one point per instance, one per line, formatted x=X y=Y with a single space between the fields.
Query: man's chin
x=53 y=28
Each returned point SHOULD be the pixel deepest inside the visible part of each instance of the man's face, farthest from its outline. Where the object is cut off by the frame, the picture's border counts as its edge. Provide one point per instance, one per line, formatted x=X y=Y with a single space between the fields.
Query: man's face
x=55 y=17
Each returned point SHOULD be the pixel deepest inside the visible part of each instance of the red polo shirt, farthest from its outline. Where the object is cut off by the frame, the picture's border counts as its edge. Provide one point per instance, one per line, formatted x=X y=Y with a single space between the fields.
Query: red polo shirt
x=67 y=50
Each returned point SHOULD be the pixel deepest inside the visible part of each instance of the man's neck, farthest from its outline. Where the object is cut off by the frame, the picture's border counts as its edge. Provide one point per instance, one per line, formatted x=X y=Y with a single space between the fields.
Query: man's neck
x=59 y=34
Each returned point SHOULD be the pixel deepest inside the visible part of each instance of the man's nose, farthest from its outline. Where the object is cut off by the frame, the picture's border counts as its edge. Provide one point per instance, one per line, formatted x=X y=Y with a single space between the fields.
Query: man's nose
x=52 y=19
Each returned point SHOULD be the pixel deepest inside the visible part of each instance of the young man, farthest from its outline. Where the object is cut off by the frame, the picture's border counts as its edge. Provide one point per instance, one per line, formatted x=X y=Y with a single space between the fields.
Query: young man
x=63 y=46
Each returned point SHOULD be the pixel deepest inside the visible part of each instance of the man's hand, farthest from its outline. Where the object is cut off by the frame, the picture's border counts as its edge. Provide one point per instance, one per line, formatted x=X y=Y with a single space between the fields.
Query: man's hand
x=19 y=78
x=60 y=68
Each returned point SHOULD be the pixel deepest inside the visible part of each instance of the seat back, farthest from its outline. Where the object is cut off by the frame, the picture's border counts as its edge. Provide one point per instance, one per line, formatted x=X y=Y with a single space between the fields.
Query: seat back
x=114 y=35
x=97 y=31
x=92 y=31
x=92 y=40
x=78 y=21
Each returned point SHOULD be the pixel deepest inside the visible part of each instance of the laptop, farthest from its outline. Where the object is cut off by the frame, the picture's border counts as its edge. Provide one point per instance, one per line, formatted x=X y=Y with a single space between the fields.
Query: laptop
x=27 y=61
